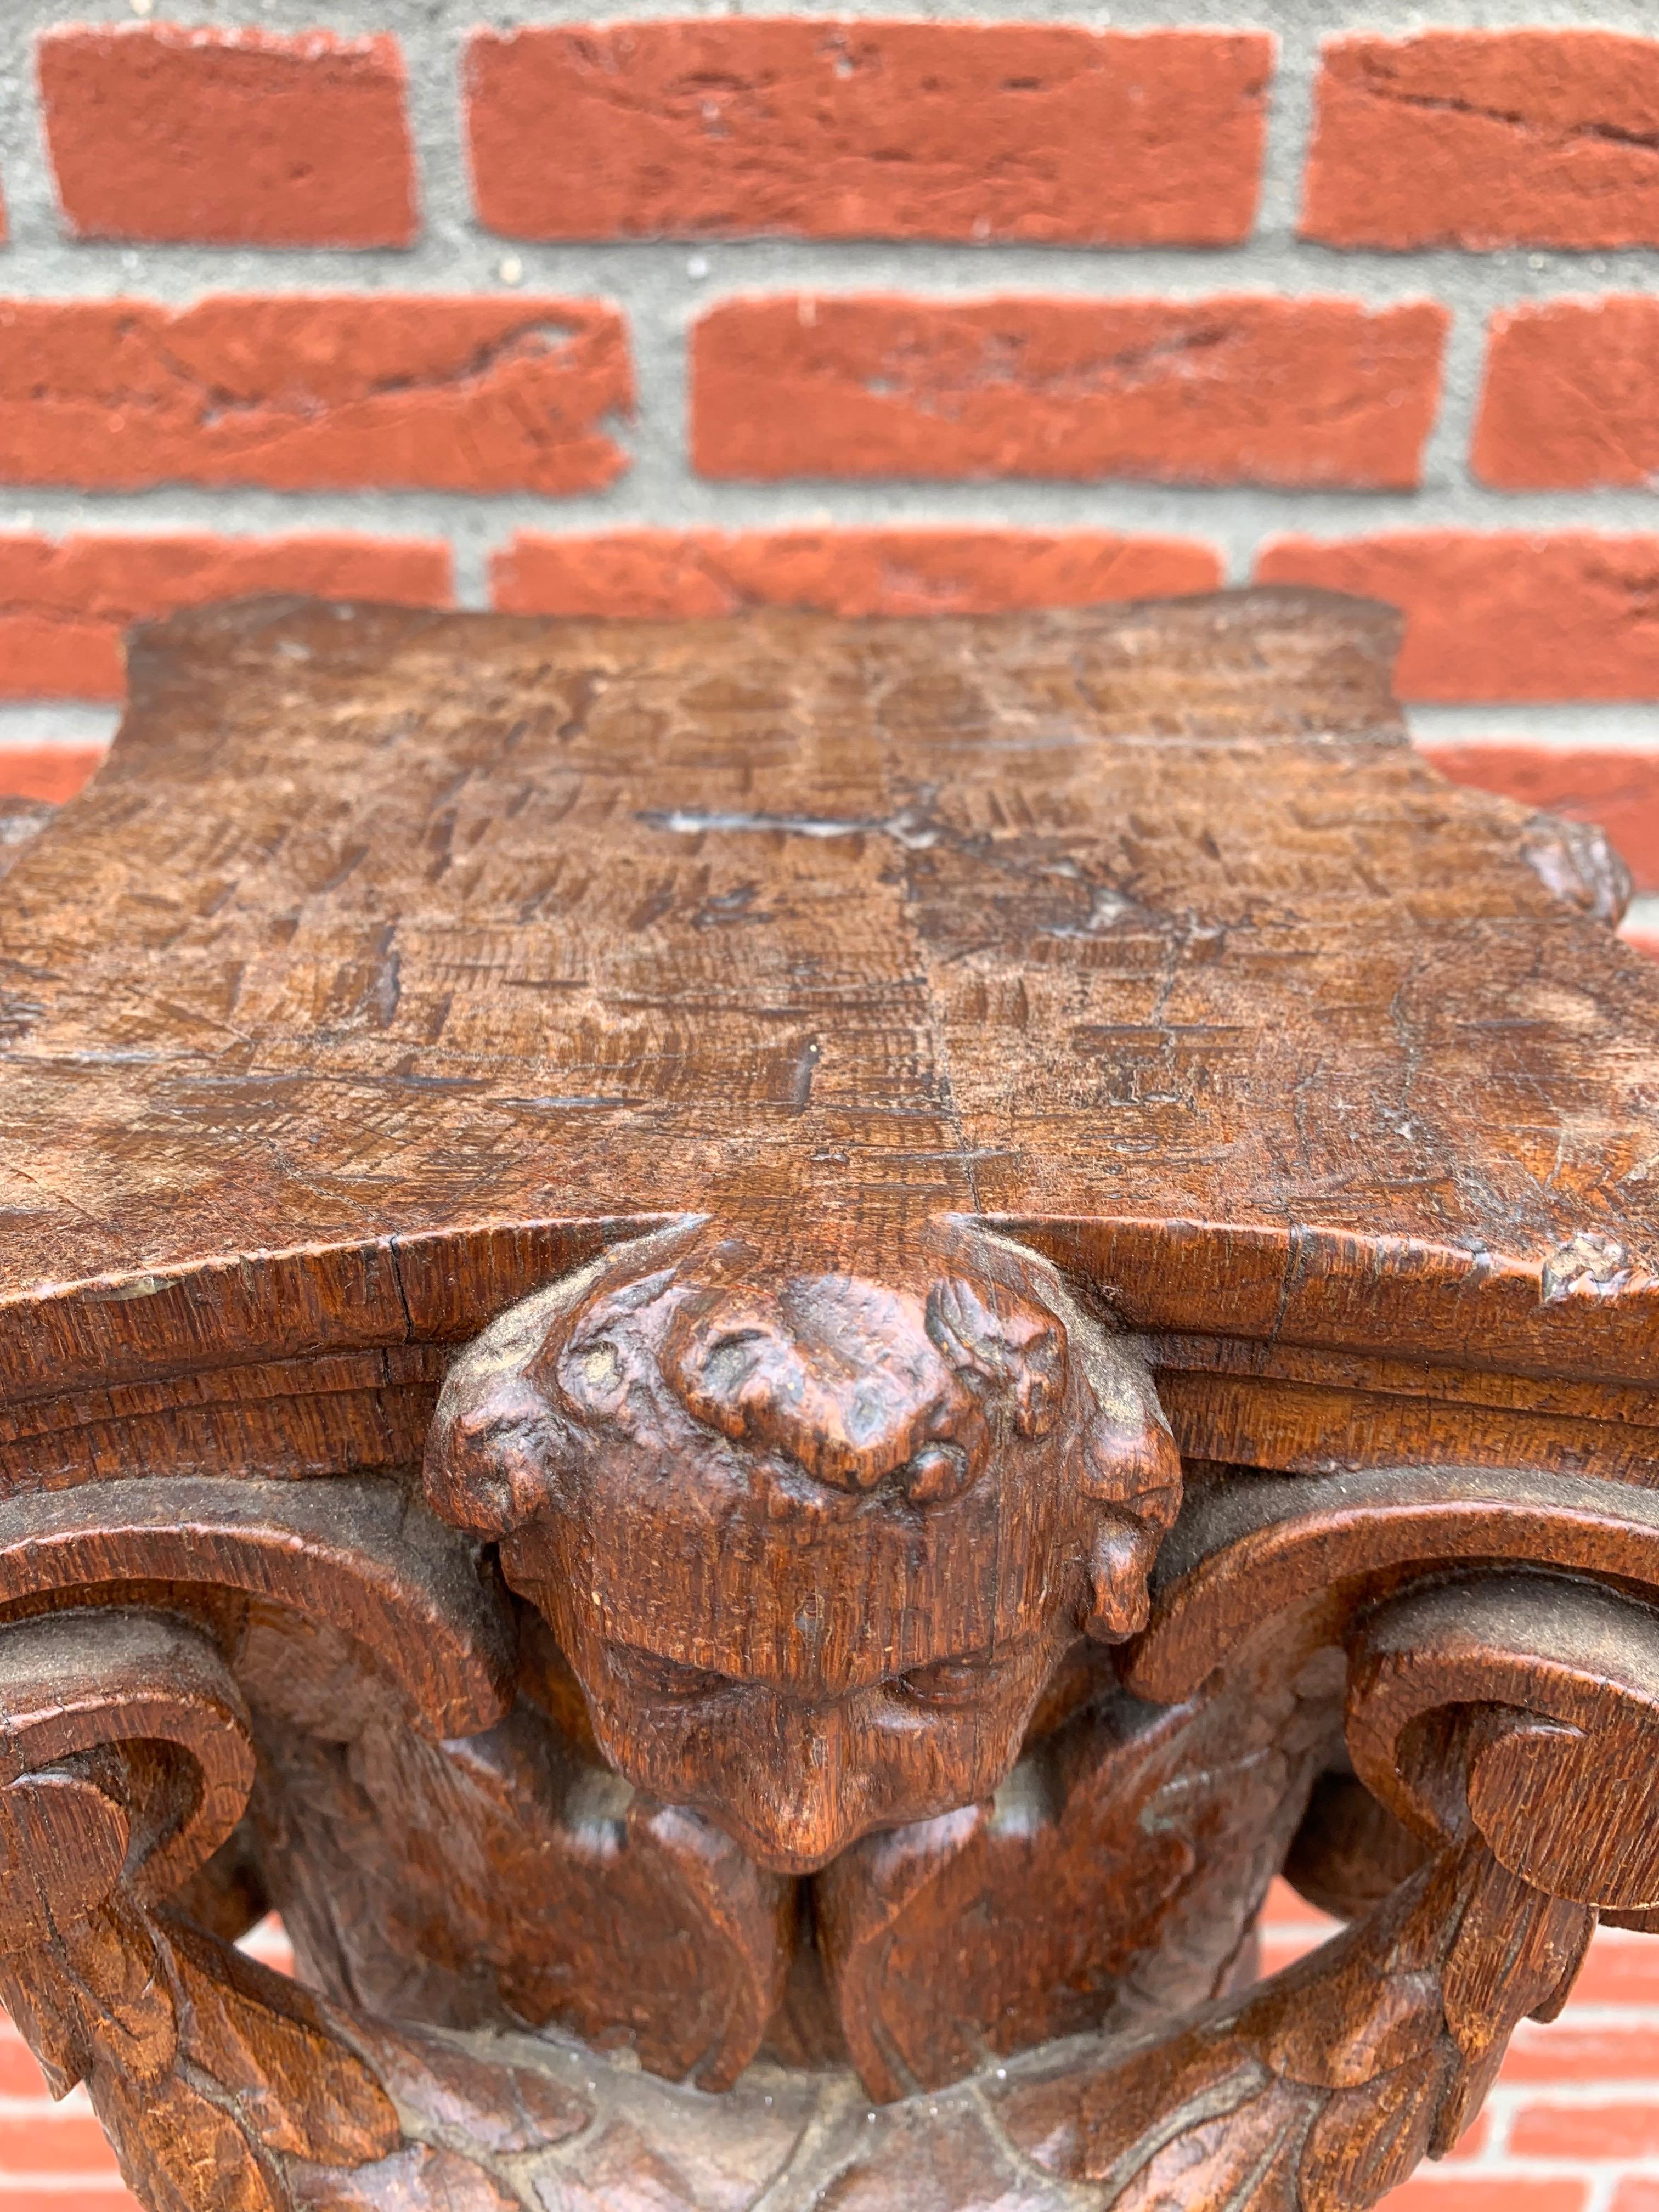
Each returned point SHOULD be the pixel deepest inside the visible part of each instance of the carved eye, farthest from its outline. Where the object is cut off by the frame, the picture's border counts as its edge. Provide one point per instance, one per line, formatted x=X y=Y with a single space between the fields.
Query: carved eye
x=730 y=1358
x=593 y=1373
x=651 y=1675
x=600 y=1367
x=939 y=1471
x=947 y=1681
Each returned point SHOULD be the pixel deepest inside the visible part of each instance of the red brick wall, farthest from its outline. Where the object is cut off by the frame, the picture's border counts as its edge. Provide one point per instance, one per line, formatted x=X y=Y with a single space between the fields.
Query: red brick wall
x=699 y=313
x=958 y=313
x=683 y=314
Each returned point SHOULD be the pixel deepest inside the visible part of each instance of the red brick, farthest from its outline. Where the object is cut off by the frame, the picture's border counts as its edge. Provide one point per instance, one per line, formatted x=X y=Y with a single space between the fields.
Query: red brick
x=1428 y=2191
x=228 y=137
x=1601 y=2131
x=302 y=392
x=1487 y=138
x=1282 y=1947
x=1619 y=790
x=1282 y=1902
x=1509 y=615
x=1638 y=2194
x=52 y=2142
x=20 y=2076
x=1619 y=1968
x=1244 y=390
x=667 y=573
x=1473 y=2141
x=63 y=606
x=97 y=2193
x=1570 y=2051
x=57 y=773
x=267 y=1942
x=1572 y=396
x=726 y=127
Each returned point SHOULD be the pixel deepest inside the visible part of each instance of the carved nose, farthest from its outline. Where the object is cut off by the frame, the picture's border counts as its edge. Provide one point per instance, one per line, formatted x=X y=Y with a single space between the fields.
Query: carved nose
x=800 y=1816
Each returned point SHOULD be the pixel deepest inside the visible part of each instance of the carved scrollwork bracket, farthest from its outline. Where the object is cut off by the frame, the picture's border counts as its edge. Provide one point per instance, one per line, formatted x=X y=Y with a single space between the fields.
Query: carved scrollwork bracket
x=1508 y=1720
x=820 y=1603
x=127 y=1760
x=1524 y=1708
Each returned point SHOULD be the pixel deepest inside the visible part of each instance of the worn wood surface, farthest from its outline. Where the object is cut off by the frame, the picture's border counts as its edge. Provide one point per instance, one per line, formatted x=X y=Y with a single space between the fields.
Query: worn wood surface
x=398 y=924
x=758 y=1355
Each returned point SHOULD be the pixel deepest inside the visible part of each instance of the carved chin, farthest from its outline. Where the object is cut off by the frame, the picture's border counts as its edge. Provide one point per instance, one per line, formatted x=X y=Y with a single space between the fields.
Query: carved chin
x=797 y=1839
x=787 y=1852
x=789 y=1823
x=794 y=1811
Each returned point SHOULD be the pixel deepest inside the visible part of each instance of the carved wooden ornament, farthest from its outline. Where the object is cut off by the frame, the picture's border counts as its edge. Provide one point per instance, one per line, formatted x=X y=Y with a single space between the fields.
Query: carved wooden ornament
x=758 y=1355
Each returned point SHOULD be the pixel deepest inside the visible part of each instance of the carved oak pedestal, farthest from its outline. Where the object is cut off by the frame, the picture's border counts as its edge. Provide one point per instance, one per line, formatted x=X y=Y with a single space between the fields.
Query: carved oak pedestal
x=758 y=1355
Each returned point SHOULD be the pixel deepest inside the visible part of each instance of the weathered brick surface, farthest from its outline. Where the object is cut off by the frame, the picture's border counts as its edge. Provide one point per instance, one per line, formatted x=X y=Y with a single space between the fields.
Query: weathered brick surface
x=20 y=2076
x=1237 y=390
x=1487 y=138
x=1500 y=616
x=1499 y=2192
x=666 y=572
x=730 y=127
x=56 y=773
x=1630 y=2129
x=64 y=605
x=228 y=137
x=73 y=2144
x=1619 y=2050
x=105 y=2194
x=1572 y=396
x=1622 y=1968
x=302 y=392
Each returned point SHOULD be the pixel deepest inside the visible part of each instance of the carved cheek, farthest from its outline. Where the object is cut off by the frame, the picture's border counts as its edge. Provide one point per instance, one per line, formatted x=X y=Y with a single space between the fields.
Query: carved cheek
x=922 y=1758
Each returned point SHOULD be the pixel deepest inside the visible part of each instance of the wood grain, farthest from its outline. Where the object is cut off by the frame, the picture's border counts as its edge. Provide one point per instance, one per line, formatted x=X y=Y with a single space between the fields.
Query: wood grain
x=758 y=1355
x=791 y=917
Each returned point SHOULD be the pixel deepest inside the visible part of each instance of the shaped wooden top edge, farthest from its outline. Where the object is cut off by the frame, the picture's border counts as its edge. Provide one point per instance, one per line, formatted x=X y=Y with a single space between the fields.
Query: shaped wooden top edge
x=1318 y=626
x=1307 y=661
x=1296 y=665
x=1584 y=1312
x=241 y=1309
x=1583 y=1309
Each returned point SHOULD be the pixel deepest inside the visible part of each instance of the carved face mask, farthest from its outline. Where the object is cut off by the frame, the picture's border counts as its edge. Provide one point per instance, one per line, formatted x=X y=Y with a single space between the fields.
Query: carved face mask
x=812 y=1543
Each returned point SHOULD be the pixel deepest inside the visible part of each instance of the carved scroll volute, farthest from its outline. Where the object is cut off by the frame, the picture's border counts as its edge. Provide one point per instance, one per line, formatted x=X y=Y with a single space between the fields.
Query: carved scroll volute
x=126 y=1760
x=1508 y=1720
x=122 y=1738
x=1511 y=1722
x=1516 y=1715
x=1527 y=1709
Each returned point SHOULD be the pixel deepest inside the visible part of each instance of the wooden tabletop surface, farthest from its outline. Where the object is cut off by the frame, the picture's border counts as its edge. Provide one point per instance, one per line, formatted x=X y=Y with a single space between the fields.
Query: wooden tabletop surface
x=1143 y=929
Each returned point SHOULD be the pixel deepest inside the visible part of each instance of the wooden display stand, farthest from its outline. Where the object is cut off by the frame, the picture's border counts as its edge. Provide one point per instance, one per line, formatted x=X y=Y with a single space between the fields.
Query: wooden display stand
x=758 y=1355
